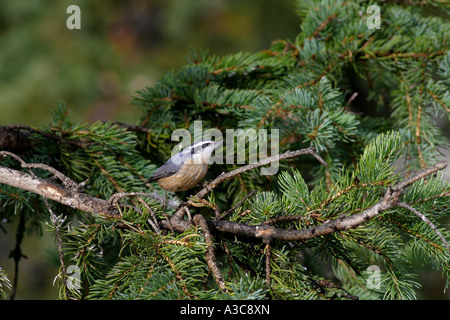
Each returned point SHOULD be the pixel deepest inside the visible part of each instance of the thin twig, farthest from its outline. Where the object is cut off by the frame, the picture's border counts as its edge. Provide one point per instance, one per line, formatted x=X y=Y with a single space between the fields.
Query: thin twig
x=17 y=254
x=189 y=214
x=225 y=176
x=153 y=223
x=350 y=100
x=116 y=196
x=425 y=219
x=420 y=175
x=268 y=251
x=57 y=223
x=236 y=206
x=214 y=206
x=210 y=257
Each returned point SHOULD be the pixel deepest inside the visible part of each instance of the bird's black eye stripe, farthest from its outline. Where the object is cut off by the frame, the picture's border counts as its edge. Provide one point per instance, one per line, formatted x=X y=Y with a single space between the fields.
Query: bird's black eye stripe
x=205 y=144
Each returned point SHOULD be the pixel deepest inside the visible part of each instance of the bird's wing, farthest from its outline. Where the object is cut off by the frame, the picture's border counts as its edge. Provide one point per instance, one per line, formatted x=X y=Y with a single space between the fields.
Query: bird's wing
x=166 y=170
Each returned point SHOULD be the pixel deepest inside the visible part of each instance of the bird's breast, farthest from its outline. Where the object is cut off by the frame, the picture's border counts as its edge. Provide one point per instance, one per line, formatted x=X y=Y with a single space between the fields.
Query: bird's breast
x=189 y=175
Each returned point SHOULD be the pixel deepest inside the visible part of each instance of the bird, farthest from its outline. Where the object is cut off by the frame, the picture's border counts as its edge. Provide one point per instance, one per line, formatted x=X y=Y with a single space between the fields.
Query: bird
x=186 y=169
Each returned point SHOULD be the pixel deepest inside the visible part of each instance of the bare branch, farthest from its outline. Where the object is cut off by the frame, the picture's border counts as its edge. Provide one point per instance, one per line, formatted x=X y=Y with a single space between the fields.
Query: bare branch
x=210 y=257
x=65 y=180
x=67 y=196
x=420 y=175
x=231 y=174
x=268 y=251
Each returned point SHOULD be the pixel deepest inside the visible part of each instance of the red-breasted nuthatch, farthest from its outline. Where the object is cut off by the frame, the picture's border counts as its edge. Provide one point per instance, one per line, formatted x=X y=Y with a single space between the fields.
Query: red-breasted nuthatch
x=187 y=168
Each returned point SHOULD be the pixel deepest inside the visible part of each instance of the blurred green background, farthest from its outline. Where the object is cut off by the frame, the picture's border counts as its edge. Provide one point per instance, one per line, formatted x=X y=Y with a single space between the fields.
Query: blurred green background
x=122 y=47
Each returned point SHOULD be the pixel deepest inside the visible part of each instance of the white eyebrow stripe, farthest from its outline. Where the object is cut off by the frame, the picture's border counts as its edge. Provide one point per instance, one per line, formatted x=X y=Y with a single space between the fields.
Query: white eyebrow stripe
x=197 y=144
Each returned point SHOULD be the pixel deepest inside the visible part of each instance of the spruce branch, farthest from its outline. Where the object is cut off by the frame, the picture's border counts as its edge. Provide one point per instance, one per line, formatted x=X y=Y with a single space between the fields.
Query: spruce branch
x=135 y=128
x=69 y=196
x=342 y=223
x=5 y=283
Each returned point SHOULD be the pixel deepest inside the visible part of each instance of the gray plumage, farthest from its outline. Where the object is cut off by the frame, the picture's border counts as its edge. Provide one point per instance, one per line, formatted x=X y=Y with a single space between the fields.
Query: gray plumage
x=166 y=170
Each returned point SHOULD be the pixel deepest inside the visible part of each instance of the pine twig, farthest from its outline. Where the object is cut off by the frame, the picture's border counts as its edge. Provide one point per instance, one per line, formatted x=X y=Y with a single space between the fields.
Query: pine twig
x=113 y=200
x=210 y=257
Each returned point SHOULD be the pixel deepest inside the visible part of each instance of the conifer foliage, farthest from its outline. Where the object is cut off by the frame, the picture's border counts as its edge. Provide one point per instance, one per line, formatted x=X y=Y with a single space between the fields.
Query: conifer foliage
x=366 y=99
